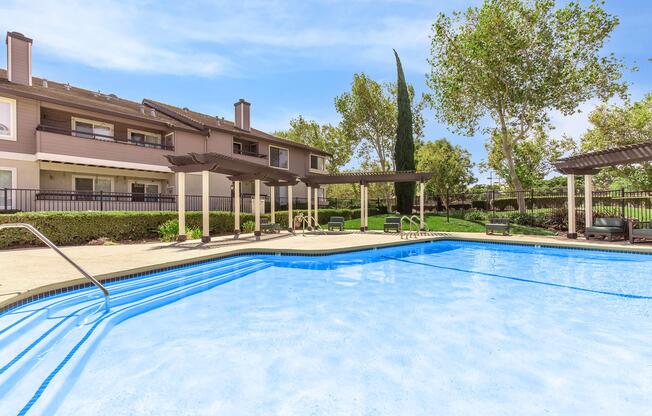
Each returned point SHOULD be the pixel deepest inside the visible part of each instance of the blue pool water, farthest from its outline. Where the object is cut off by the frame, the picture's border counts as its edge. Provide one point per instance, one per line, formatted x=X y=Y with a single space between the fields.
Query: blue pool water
x=442 y=328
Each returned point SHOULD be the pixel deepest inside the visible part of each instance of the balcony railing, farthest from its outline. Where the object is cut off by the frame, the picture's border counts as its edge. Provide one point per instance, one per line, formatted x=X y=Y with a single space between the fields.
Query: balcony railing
x=248 y=153
x=102 y=137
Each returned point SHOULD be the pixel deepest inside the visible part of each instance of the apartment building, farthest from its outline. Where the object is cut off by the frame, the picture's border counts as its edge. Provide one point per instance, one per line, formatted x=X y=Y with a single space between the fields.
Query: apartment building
x=66 y=143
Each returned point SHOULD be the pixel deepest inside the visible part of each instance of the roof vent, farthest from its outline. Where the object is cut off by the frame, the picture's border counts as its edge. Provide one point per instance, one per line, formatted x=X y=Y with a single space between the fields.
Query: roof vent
x=67 y=86
x=186 y=109
x=152 y=112
x=141 y=108
x=113 y=96
x=45 y=83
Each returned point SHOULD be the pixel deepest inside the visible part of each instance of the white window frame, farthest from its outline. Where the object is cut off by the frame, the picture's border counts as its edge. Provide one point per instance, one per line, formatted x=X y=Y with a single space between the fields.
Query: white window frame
x=137 y=182
x=12 y=119
x=233 y=143
x=269 y=156
x=147 y=133
x=93 y=178
x=75 y=120
x=14 y=184
x=310 y=162
x=174 y=138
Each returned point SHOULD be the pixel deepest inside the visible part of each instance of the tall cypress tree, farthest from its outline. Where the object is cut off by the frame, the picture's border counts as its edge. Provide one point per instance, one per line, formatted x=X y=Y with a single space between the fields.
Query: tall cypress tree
x=404 y=148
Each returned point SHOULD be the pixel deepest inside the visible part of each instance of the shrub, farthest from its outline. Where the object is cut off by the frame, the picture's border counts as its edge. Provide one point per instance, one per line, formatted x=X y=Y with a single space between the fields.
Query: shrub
x=248 y=226
x=169 y=230
x=475 y=215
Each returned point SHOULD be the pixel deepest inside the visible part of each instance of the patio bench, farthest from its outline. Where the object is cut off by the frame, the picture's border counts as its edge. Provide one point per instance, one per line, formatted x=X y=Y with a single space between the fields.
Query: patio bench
x=640 y=229
x=606 y=227
x=497 y=225
x=392 y=223
x=269 y=227
x=336 y=223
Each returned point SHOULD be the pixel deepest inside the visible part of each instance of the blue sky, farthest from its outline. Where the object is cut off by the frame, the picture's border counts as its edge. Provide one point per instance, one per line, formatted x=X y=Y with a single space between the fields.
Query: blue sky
x=286 y=57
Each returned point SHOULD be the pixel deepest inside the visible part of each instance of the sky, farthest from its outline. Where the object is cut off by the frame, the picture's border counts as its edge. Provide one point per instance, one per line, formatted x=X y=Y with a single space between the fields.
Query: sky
x=288 y=58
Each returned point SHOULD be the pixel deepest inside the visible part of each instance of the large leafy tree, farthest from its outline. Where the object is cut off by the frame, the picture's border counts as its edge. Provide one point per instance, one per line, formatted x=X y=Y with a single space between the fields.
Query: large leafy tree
x=404 y=146
x=328 y=138
x=620 y=125
x=369 y=119
x=515 y=61
x=451 y=165
x=533 y=156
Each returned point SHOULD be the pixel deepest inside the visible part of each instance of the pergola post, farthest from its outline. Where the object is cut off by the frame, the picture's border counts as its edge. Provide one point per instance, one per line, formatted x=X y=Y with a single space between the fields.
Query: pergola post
x=257 y=208
x=290 y=217
x=362 y=205
x=570 y=183
x=316 y=207
x=588 y=201
x=366 y=207
x=309 y=207
x=181 y=202
x=272 y=203
x=236 y=207
x=205 y=205
x=422 y=187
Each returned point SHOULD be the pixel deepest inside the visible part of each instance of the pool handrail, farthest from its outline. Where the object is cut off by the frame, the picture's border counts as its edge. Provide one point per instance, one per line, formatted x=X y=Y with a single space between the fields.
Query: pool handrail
x=50 y=244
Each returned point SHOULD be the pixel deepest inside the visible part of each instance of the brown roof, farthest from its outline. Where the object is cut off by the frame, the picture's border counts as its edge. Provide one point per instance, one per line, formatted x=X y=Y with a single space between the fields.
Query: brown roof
x=591 y=162
x=205 y=121
x=64 y=94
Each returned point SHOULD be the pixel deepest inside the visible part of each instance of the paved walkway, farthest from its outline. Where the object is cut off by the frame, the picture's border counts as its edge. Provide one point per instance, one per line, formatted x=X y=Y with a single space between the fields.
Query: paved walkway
x=25 y=272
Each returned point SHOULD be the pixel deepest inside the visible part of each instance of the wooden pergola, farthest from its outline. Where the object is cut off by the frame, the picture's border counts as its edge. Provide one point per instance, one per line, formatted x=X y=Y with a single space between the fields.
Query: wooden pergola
x=588 y=164
x=238 y=170
x=365 y=178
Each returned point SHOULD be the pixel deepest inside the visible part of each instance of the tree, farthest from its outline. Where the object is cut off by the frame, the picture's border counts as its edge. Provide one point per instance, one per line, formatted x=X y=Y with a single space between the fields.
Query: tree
x=325 y=137
x=404 y=146
x=514 y=61
x=451 y=165
x=533 y=156
x=369 y=120
x=613 y=126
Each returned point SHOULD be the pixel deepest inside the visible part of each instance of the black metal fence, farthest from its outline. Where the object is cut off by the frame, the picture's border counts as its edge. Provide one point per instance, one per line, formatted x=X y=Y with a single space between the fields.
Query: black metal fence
x=31 y=200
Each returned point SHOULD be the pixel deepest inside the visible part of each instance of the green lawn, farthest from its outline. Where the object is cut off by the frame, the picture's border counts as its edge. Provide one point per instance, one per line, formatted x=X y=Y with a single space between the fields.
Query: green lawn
x=438 y=223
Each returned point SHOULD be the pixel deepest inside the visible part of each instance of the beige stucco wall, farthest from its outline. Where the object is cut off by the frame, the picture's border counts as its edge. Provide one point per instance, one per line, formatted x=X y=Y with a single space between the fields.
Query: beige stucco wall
x=27 y=118
x=27 y=173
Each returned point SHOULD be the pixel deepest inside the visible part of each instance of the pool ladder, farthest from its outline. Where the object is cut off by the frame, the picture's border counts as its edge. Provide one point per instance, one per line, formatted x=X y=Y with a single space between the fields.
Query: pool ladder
x=416 y=222
x=304 y=222
x=50 y=244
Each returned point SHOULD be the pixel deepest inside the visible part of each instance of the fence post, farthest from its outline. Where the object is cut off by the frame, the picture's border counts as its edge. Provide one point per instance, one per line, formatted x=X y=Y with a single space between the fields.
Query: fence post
x=101 y=201
x=6 y=200
x=622 y=202
x=532 y=201
x=493 y=201
x=160 y=202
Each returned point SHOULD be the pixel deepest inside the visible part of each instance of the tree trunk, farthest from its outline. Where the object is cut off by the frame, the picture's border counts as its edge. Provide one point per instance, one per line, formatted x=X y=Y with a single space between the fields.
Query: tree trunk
x=509 y=157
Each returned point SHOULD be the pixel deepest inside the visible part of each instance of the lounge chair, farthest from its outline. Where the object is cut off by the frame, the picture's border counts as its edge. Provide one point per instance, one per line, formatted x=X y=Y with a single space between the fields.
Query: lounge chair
x=606 y=227
x=497 y=225
x=392 y=223
x=640 y=229
x=336 y=223
x=269 y=227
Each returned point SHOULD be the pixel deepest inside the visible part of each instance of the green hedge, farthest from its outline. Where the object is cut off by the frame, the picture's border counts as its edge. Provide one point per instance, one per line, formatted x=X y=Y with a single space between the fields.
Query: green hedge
x=77 y=228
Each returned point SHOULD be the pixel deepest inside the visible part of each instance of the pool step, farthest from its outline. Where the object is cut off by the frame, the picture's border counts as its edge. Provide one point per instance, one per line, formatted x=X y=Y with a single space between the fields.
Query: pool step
x=79 y=328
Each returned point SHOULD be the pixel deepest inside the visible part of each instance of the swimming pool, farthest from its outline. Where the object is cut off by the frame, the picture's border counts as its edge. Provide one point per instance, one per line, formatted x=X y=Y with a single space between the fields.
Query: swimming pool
x=448 y=327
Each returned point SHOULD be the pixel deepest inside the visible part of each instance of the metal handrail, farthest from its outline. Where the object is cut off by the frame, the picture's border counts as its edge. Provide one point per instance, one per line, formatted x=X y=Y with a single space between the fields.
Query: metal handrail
x=50 y=244
x=304 y=221
x=425 y=224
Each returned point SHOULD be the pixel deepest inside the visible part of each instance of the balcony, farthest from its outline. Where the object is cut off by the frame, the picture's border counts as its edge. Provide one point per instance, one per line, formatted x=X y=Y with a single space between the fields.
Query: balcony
x=94 y=149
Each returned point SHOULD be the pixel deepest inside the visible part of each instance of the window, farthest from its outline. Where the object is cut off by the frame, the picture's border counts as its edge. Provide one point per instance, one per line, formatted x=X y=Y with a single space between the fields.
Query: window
x=278 y=157
x=7 y=119
x=92 y=184
x=145 y=138
x=237 y=148
x=7 y=180
x=317 y=163
x=144 y=191
x=92 y=129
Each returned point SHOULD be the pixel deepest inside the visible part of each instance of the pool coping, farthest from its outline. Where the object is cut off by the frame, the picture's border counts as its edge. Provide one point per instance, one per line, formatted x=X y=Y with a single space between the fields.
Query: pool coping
x=65 y=286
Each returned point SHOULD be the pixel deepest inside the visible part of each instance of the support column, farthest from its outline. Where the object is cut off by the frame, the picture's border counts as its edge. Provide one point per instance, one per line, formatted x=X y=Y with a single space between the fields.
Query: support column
x=362 y=206
x=570 y=180
x=309 y=207
x=257 y=208
x=272 y=203
x=236 y=207
x=588 y=201
x=181 y=203
x=422 y=188
x=366 y=207
x=205 y=201
x=290 y=216
x=316 y=207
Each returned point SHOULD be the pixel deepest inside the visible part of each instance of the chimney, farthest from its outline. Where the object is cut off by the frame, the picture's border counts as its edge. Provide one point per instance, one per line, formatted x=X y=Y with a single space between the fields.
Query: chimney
x=242 y=117
x=19 y=58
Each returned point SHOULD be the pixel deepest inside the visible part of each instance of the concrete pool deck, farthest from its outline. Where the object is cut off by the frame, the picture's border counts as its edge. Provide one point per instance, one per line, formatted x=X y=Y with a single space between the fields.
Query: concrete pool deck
x=32 y=271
